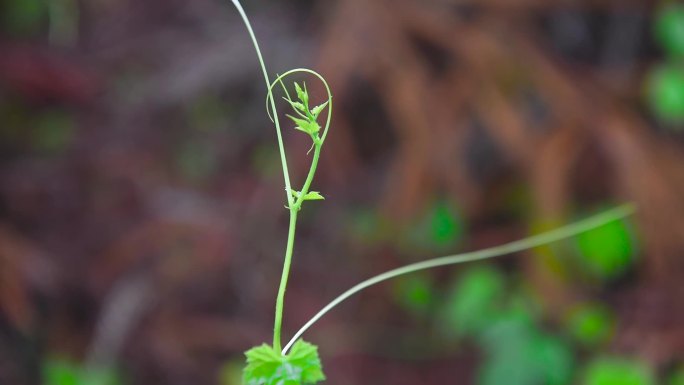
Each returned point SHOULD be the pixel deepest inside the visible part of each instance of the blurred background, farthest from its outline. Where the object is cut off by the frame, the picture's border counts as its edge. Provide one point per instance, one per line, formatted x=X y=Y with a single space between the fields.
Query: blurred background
x=142 y=225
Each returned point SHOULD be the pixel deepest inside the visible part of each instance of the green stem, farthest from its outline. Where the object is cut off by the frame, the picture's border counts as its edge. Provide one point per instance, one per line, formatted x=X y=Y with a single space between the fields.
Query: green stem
x=293 y=205
x=288 y=189
x=512 y=247
x=310 y=176
x=294 y=209
x=280 y=301
x=281 y=146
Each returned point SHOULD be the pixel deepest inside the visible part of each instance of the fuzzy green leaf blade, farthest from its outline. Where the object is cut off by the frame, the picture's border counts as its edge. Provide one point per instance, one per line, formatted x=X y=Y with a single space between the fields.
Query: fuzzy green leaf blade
x=313 y=196
x=265 y=366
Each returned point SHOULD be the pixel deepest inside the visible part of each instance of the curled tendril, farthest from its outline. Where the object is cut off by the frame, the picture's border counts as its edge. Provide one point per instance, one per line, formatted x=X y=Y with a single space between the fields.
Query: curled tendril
x=279 y=80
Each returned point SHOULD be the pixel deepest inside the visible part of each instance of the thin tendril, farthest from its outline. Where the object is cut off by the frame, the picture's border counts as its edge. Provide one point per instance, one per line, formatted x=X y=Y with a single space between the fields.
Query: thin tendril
x=281 y=146
x=508 y=248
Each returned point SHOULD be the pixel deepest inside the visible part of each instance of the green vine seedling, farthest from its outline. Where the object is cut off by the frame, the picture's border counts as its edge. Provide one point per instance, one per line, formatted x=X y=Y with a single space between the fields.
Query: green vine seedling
x=298 y=362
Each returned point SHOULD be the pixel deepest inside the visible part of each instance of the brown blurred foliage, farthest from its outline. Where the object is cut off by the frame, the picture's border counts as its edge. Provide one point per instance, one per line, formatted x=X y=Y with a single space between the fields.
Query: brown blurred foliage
x=150 y=232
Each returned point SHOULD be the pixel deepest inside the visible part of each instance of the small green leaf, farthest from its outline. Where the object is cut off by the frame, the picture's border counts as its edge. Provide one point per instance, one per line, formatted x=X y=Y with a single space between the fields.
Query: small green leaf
x=313 y=196
x=300 y=366
x=307 y=126
x=318 y=109
x=301 y=123
x=302 y=94
x=299 y=106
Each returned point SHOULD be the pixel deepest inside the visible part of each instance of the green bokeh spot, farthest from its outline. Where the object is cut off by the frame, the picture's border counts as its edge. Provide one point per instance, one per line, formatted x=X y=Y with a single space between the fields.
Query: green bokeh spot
x=22 y=17
x=231 y=373
x=676 y=378
x=607 y=251
x=591 y=324
x=415 y=293
x=474 y=300
x=53 y=132
x=509 y=329
x=665 y=91
x=439 y=229
x=528 y=358
x=100 y=376
x=61 y=372
x=368 y=227
x=510 y=369
x=618 y=371
x=669 y=29
x=445 y=224
x=554 y=358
